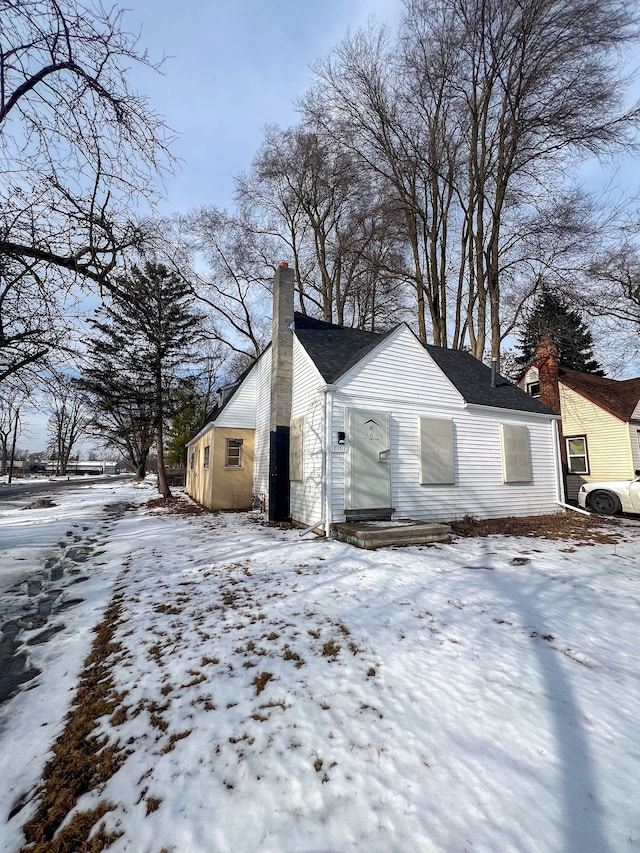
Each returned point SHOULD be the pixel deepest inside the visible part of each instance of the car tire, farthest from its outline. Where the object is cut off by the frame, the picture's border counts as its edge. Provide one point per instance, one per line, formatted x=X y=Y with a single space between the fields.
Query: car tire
x=604 y=503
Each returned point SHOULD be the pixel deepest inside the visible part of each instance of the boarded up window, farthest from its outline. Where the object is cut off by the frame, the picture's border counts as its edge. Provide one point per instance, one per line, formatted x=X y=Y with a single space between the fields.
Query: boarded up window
x=296 y=449
x=516 y=457
x=436 y=451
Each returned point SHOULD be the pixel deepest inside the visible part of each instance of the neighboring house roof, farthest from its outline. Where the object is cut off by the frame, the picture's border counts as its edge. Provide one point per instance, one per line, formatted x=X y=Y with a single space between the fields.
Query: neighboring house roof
x=472 y=378
x=618 y=396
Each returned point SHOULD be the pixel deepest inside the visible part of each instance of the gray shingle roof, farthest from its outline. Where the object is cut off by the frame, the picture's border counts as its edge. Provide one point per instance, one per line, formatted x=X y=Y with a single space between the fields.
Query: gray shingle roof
x=472 y=378
x=334 y=349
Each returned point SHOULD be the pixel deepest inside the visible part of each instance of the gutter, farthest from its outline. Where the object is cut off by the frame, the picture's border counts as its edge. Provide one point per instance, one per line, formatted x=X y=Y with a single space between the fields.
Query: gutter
x=557 y=464
x=312 y=527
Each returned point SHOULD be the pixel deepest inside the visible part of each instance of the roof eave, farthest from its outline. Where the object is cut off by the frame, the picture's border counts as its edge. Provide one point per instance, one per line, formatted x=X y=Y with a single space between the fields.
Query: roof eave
x=540 y=416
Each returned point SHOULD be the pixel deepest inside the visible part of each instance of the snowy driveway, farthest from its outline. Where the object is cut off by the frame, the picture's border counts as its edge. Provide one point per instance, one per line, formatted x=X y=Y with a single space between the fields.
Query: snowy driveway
x=285 y=694
x=46 y=543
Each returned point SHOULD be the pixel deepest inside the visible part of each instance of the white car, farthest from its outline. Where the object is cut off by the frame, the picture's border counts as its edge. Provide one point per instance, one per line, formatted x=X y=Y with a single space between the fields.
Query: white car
x=610 y=498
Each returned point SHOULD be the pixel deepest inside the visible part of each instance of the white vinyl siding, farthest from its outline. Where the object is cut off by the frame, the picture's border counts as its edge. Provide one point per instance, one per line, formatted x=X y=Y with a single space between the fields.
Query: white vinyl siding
x=400 y=377
x=261 y=442
x=307 y=405
x=296 y=449
x=437 y=462
x=516 y=457
x=240 y=411
x=479 y=488
x=400 y=370
x=415 y=387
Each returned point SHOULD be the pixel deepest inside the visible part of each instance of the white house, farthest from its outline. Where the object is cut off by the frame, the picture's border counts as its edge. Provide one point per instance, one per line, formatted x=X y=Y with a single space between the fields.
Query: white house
x=351 y=425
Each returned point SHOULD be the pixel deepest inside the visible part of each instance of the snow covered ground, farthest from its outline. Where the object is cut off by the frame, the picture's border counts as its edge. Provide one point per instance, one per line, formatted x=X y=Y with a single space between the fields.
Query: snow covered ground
x=297 y=694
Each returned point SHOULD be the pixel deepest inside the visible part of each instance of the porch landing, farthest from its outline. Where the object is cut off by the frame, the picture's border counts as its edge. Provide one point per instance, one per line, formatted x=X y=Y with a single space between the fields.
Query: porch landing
x=378 y=534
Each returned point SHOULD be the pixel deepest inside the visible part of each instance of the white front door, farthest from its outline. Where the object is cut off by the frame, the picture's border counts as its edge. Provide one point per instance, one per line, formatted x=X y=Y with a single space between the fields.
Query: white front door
x=368 y=462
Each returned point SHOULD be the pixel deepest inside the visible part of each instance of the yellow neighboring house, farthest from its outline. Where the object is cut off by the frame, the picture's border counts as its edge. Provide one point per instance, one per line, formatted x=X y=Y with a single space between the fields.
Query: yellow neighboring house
x=600 y=427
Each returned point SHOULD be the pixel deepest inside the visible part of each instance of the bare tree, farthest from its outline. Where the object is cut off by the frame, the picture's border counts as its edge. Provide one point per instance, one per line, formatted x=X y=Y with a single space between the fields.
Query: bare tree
x=77 y=144
x=615 y=284
x=229 y=269
x=537 y=87
x=357 y=102
x=79 y=151
x=68 y=418
x=475 y=119
x=12 y=399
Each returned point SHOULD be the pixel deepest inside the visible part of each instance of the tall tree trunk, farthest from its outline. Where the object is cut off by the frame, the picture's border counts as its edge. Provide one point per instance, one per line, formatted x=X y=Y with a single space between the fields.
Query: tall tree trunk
x=13 y=446
x=163 y=484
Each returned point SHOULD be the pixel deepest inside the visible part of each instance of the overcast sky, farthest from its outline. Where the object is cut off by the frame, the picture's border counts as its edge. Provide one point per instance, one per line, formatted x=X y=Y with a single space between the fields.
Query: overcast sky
x=234 y=66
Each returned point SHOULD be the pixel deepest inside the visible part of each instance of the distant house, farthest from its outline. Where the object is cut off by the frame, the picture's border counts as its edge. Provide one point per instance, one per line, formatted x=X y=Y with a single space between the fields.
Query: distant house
x=337 y=424
x=600 y=427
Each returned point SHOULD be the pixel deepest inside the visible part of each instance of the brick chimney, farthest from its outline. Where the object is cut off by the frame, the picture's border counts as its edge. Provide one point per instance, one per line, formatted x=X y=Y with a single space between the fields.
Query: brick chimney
x=281 y=384
x=547 y=358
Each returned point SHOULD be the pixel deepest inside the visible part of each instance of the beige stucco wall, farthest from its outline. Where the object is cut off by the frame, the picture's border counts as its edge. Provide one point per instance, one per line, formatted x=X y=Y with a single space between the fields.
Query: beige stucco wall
x=608 y=440
x=217 y=487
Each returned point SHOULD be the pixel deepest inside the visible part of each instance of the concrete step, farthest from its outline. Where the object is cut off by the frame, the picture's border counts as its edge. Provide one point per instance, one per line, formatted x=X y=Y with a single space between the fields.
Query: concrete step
x=378 y=535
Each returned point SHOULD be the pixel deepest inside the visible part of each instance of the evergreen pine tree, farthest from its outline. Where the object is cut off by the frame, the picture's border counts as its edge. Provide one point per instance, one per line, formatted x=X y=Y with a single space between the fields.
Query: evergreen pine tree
x=146 y=335
x=552 y=316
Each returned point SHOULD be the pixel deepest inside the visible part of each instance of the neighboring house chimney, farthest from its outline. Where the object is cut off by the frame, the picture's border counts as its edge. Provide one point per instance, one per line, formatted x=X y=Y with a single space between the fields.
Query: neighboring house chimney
x=281 y=383
x=547 y=358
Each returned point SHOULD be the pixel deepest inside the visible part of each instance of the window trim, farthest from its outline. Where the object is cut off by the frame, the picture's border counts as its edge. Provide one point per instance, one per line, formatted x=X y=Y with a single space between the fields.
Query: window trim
x=240 y=448
x=584 y=455
x=207 y=456
x=533 y=389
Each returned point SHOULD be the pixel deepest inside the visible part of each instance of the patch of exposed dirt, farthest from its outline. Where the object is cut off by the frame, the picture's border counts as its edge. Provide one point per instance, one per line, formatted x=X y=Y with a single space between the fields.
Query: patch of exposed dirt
x=40 y=503
x=82 y=761
x=179 y=506
x=586 y=529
